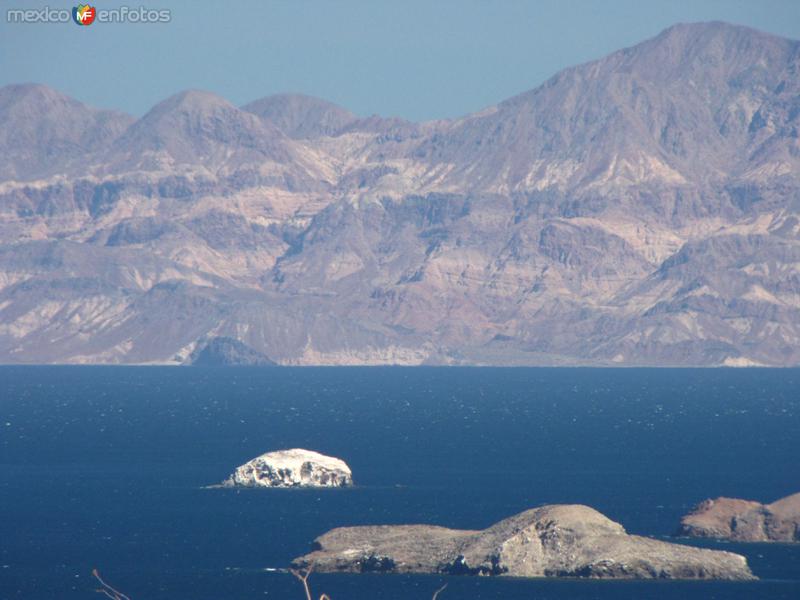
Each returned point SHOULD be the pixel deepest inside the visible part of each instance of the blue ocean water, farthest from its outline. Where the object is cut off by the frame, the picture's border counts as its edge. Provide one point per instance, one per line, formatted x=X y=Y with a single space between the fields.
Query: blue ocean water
x=105 y=467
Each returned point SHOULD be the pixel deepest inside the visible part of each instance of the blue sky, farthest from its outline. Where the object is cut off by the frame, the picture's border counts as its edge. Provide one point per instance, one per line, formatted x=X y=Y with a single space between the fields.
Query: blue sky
x=419 y=60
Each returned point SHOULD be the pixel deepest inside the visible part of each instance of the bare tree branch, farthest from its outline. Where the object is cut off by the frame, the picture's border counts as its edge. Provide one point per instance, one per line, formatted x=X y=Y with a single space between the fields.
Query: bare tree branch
x=107 y=590
x=303 y=576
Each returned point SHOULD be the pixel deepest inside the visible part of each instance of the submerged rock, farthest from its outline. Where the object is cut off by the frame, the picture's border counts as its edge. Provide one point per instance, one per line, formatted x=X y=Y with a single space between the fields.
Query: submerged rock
x=745 y=520
x=551 y=541
x=292 y=468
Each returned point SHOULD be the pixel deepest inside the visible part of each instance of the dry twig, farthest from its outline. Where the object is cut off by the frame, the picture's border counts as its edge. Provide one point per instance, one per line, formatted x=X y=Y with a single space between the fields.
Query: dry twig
x=107 y=590
x=303 y=576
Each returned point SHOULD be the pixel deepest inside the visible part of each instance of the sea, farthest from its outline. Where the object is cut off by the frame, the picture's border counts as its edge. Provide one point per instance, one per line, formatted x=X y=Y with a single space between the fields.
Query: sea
x=109 y=468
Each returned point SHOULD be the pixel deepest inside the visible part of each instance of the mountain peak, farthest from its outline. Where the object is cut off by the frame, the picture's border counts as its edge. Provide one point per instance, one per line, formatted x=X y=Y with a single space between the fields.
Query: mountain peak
x=21 y=91
x=301 y=116
x=191 y=101
x=200 y=127
x=40 y=97
x=44 y=130
x=711 y=29
x=707 y=50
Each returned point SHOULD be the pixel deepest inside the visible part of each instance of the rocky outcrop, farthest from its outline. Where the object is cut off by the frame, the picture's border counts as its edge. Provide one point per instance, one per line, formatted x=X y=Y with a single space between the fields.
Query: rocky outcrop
x=551 y=541
x=225 y=351
x=292 y=468
x=745 y=520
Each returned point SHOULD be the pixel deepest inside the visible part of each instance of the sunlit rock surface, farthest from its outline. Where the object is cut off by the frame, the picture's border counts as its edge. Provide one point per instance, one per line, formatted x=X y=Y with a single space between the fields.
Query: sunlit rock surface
x=745 y=520
x=551 y=541
x=292 y=468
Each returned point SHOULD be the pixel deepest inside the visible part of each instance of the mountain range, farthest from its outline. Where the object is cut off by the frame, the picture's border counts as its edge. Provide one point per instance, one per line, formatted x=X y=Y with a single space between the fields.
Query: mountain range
x=641 y=209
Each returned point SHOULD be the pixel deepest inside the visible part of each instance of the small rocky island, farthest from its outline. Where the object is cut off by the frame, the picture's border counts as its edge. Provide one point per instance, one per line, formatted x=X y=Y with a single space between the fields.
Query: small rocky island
x=226 y=352
x=292 y=468
x=551 y=541
x=745 y=520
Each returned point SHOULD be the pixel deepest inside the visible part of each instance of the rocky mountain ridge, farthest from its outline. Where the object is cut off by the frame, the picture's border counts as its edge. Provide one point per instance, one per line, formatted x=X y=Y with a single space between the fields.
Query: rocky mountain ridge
x=642 y=209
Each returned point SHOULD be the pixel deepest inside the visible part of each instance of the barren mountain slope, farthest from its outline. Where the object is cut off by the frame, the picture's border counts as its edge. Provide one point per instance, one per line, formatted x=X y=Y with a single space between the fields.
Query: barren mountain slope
x=640 y=209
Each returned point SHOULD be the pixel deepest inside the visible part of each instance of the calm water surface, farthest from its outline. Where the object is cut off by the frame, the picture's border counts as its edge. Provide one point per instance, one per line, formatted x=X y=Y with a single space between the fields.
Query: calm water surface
x=105 y=467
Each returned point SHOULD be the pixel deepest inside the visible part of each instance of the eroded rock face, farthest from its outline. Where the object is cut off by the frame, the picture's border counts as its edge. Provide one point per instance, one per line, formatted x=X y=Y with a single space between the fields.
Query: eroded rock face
x=745 y=520
x=594 y=220
x=551 y=541
x=292 y=468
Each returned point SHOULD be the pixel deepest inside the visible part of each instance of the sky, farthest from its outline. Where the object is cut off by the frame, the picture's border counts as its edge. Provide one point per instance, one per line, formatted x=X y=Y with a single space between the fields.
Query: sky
x=414 y=59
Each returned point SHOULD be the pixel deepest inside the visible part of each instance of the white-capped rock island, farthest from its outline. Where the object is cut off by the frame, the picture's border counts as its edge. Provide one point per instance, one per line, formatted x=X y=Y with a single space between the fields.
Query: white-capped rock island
x=292 y=468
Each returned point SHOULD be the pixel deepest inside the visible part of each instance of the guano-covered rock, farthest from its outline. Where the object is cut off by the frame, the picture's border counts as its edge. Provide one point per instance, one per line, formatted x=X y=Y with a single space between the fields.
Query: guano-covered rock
x=292 y=468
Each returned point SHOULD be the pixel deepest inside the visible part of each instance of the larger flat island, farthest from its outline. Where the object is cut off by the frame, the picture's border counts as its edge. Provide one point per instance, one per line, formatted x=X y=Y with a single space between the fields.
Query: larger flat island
x=550 y=541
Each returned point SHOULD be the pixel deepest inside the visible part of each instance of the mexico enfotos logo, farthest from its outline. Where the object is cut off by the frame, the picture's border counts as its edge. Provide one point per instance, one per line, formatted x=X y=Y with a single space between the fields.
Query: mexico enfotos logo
x=85 y=14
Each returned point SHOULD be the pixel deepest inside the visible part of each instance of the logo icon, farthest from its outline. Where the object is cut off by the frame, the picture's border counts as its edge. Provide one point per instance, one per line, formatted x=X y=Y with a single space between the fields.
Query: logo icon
x=83 y=14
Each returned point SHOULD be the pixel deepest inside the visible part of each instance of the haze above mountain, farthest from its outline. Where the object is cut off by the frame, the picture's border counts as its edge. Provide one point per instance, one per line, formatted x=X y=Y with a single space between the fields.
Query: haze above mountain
x=640 y=209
